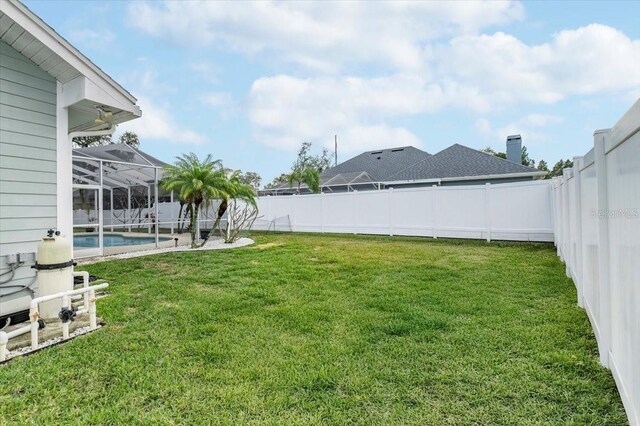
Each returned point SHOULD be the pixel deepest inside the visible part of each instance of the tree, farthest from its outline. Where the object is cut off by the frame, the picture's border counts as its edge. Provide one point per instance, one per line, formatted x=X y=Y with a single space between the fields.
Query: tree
x=558 y=167
x=236 y=190
x=542 y=166
x=526 y=161
x=305 y=159
x=490 y=150
x=129 y=138
x=283 y=178
x=309 y=176
x=197 y=182
x=252 y=179
x=87 y=141
x=307 y=168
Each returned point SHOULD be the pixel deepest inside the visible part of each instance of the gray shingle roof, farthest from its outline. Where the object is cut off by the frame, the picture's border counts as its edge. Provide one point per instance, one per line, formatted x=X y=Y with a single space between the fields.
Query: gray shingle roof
x=379 y=164
x=458 y=161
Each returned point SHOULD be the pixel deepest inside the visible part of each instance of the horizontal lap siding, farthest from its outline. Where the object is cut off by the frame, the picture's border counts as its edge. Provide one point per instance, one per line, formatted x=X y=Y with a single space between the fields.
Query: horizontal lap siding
x=27 y=159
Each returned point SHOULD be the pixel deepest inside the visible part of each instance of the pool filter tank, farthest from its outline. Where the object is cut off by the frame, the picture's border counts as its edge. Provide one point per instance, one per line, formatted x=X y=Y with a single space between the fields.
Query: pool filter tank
x=54 y=263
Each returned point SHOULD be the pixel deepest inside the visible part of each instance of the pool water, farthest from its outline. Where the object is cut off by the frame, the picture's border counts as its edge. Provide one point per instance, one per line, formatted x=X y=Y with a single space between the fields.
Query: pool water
x=114 y=240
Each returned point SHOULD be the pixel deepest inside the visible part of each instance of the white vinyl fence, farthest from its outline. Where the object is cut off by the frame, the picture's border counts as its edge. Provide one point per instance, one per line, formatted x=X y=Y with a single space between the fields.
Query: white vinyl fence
x=597 y=204
x=519 y=211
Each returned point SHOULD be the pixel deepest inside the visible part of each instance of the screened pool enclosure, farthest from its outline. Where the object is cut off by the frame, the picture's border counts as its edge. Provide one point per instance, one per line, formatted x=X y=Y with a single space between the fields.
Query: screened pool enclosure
x=119 y=206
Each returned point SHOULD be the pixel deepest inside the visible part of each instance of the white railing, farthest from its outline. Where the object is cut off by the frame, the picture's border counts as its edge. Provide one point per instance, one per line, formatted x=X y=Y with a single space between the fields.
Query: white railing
x=520 y=211
x=89 y=295
x=597 y=203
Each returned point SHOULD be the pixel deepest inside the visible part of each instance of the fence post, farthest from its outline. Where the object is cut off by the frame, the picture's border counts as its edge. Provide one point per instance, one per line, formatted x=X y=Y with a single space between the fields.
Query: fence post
x=434 y=210
x=577 y=267
x=294 y=200
x=558 y=215
x=267 y=200
x=487 y=210
x=599 y=140
x=390 y=201
x=566 y=250
x=354 y=213
x=322 y=212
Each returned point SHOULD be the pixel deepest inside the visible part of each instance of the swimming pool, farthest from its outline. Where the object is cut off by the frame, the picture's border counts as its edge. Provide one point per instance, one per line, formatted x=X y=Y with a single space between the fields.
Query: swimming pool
x=114 y=240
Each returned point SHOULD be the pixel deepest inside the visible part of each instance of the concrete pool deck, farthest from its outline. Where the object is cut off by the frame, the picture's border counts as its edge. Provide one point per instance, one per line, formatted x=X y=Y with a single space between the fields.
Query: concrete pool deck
x=213 y=244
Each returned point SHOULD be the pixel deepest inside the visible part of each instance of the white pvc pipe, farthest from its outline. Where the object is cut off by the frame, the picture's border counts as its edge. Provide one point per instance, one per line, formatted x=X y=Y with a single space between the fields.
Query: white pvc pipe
x=3 y=345
x=85 y=284
x=65 y=298
x=92 y=310
x=34 y=328
x=90 y=307
x=65 y=324
x=37 y=300
x=4 y=339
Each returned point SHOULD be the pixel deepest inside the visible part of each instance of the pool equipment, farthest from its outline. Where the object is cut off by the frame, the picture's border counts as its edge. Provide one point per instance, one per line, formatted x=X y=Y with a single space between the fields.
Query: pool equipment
x=54 y=263
x=55 y=277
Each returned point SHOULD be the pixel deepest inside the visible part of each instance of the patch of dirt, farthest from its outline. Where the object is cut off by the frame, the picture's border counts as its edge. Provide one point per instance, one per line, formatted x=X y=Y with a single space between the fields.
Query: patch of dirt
x=162 y=266
x=267 y=245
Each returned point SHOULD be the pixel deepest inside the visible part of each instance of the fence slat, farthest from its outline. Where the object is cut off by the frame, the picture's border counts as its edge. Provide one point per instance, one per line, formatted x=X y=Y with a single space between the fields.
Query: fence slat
x=599 y=139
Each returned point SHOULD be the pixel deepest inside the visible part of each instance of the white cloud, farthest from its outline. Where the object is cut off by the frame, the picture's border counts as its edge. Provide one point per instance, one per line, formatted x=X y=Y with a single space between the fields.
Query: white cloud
x=93 y=39
x=208 y=71
x=589 y=60
x=424 y=56
x=287 y=110
x=223 y=103
x=158 y=123
x=476 y=73
x=530 y=127
x=319 y=36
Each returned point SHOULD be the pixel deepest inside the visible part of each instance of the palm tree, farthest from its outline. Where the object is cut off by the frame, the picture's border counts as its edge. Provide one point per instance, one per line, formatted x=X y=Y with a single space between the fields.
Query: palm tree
x=308 y=175
x=236 y=190
x=197 y=182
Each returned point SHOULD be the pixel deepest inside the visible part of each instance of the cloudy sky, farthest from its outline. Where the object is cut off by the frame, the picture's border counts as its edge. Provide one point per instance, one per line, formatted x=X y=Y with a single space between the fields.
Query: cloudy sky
x=248 y=82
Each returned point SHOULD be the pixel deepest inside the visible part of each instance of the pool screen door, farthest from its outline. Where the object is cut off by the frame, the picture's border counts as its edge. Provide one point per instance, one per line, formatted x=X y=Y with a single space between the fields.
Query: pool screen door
x=87 y=221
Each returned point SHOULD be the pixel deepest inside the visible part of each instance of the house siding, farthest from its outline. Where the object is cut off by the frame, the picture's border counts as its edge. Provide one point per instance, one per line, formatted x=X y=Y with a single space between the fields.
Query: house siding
x=27 y=163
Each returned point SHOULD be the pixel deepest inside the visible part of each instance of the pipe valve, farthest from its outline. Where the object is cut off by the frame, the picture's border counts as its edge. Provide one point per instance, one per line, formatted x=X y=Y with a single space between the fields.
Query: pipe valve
x=67 y=314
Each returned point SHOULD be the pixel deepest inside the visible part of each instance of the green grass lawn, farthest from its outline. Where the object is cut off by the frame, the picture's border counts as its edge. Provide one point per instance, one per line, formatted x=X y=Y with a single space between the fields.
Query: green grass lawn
x=312 y=329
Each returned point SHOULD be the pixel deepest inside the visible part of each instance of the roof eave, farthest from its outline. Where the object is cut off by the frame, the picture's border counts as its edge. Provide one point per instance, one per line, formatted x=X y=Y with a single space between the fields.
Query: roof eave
x=39 y=29
x=466 y=178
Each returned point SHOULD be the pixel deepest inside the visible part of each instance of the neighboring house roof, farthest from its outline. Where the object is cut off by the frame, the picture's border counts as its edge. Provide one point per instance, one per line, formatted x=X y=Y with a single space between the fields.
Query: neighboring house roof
x=408 y=165
x=459 y=161
x=379 y=164
x=85 y=84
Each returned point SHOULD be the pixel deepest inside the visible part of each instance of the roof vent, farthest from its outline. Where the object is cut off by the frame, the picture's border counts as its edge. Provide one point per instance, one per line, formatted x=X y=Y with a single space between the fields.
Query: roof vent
x=397 y=149
x=376 y=152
